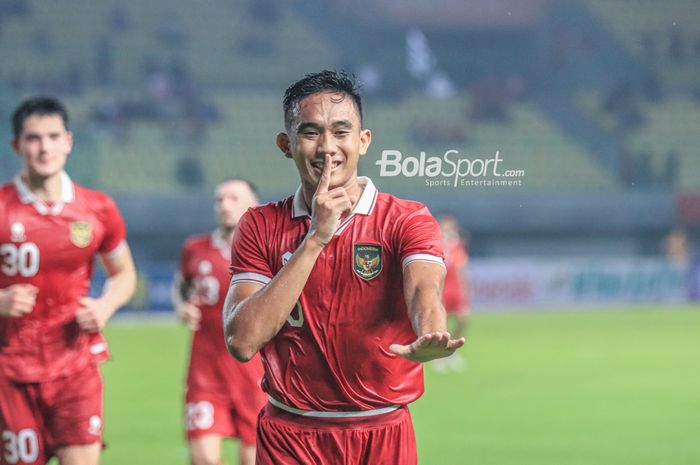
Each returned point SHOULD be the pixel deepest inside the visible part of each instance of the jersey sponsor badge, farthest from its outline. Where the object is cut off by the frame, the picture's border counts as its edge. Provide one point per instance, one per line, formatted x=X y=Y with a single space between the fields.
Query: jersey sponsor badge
x=367 y=260
x=80 y=233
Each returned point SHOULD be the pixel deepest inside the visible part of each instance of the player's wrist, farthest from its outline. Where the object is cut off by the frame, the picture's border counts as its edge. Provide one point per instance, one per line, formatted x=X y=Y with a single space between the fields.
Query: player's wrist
x=179 y=311
x=314 y=240
x=105 y=308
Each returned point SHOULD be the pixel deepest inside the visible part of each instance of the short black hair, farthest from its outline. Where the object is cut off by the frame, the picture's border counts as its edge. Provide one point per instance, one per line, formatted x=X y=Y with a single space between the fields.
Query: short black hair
x=323 y=81
x=42 y=106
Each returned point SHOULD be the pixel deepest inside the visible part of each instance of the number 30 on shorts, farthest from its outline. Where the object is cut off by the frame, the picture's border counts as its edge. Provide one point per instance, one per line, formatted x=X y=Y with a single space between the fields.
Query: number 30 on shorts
x=20 y=447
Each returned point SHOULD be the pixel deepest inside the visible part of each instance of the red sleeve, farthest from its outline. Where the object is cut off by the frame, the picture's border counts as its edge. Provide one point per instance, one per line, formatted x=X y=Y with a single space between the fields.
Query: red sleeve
x=115 y=229
x=420 y=238
x=248 y=257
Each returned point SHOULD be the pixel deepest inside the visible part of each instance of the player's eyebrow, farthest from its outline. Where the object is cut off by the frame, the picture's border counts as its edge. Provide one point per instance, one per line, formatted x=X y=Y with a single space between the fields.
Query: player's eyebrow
x=38 y=134
x=343 y=123
x=308 y=125
x=311 y=125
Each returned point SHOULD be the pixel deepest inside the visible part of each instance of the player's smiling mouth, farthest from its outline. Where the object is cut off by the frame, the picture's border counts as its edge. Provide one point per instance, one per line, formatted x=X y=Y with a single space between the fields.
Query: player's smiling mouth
x=318 y=165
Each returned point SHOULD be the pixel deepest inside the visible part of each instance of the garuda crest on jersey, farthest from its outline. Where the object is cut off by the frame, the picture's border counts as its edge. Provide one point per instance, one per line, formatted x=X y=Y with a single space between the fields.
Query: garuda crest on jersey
x=80 y=233
x=367 y=260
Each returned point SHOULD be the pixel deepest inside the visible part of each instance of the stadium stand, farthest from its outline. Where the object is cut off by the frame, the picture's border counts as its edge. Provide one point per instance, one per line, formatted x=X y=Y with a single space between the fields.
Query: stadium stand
x=659 y=150
x=665 y=38
x=168 y=100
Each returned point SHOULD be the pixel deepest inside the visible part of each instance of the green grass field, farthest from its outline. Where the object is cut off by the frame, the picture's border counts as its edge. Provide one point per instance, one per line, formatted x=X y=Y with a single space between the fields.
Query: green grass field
x=613 y=386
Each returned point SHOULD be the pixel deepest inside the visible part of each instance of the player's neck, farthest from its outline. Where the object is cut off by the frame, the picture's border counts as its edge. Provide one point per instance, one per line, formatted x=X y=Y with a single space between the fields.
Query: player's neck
x=48 y=189
x=226 y=233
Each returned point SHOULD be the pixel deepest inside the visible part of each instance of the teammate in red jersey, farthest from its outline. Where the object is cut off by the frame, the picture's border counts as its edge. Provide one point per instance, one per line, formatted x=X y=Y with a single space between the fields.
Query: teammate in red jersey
x=50 y=343
x=455 y=295
x=339 y=289
x=223 y=396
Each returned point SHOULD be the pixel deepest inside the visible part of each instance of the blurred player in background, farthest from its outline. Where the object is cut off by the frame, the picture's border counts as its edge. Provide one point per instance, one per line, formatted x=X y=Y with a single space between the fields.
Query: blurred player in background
x=223 y=396
x=455 y=295
x=339 y=289
x=676 y=246
x=51 y=230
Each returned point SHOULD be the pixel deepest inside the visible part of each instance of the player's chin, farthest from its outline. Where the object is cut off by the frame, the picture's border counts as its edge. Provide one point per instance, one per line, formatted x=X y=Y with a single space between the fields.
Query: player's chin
x=229 y=223
x=45 y=171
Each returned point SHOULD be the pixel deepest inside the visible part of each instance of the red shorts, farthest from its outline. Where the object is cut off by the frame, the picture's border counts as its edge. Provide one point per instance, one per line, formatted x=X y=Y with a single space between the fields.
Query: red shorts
x=38 y=418
x=222 y=414
x=288 y=439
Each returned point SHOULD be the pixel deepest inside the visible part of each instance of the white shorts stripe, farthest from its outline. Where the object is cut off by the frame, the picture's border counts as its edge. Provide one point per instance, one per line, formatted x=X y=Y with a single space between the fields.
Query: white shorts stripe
x=317 y=414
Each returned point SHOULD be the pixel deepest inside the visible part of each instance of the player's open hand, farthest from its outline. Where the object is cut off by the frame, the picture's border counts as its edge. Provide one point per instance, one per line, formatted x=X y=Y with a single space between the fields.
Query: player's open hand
x=428 y=347
x=17 y=300
x=190 y=315
x=328 y=206
x=92 y=315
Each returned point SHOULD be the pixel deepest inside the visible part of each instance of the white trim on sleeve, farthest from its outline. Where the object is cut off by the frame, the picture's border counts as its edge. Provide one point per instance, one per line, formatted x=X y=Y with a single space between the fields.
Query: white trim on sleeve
x=250 y=277
x=115 y=251
x=424 y=257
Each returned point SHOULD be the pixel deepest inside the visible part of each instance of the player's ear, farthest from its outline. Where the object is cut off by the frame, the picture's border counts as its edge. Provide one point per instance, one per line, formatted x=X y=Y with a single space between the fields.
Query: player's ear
x=15 y=145
x=365 y=140
x=284 y=144
x=69 y=136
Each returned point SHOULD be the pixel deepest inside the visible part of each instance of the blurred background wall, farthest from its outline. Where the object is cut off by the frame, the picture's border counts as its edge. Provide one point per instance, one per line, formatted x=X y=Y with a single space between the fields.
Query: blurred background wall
x=596 y=102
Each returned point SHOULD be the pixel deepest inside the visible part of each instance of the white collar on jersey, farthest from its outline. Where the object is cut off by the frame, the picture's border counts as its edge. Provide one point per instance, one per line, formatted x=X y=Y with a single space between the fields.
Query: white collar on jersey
x=27 y=196
x=364 y=206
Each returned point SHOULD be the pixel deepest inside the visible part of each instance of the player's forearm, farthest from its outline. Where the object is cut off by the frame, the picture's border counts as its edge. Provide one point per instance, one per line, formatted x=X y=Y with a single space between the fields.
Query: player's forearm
x=250 y=323
x=117 y=291
x=426 y=312
x=5 y=303
x=177 y=296
x=423 y=283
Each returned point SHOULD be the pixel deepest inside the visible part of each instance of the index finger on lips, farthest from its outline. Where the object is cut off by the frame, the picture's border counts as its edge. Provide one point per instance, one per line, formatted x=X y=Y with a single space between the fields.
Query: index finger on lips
x=325 y=181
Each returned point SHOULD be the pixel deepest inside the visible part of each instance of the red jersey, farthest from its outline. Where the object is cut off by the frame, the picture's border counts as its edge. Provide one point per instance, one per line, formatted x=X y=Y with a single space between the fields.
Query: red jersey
x=332 y=354
x=204 y=264
x=455 y=295
x=53 y=248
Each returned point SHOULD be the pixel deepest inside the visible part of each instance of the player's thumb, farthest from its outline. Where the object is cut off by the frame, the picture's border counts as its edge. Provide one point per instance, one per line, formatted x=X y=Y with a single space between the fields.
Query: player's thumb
x=399 y=349
x=85 y=301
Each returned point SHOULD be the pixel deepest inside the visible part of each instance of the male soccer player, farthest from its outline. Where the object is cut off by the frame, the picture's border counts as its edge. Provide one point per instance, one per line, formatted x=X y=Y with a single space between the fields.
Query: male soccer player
x=51 y=230
x=223 y=396
x=339 y=289
x=455 y=295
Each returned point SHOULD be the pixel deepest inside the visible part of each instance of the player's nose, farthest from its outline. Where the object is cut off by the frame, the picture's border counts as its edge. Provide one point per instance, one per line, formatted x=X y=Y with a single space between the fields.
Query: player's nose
x=326 y=145
x=44 y=144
